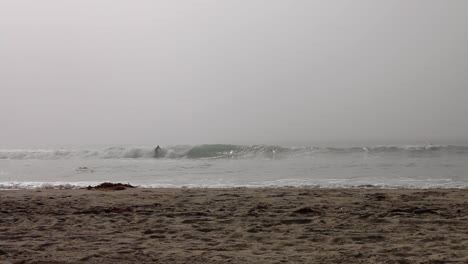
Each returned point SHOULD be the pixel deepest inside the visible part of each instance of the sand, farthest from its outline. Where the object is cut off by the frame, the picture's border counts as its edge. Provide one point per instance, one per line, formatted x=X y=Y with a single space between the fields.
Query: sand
x=264 y=225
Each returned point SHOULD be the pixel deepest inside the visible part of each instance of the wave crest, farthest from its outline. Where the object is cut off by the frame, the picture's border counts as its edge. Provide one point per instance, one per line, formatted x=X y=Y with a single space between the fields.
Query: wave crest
x=218 y=151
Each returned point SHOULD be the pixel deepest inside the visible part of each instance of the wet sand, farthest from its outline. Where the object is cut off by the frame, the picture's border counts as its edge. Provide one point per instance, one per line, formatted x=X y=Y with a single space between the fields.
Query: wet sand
x=264 y=225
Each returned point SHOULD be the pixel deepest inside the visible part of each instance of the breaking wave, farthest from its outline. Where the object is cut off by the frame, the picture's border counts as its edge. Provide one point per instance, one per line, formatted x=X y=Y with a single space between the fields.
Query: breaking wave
x=219 y=151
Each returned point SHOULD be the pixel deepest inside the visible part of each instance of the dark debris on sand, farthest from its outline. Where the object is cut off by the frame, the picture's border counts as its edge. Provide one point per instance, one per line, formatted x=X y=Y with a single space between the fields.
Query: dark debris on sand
x=108 y=186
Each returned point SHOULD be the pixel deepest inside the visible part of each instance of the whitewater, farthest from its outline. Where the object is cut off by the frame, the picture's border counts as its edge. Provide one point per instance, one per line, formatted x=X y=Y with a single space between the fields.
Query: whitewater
x=220 y=165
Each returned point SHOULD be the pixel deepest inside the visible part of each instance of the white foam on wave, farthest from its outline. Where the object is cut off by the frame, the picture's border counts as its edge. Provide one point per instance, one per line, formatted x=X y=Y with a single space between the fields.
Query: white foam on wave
x=44 y=185
x=80 y=185
x=215 y=151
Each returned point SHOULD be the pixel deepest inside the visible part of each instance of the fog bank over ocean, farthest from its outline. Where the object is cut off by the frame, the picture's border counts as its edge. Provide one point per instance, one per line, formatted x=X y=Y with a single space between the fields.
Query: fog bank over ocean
x=237 y=93
x=257 y=72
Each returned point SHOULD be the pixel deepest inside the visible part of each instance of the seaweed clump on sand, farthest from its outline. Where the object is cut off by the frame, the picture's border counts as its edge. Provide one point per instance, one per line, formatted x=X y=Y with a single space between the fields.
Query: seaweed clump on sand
x=108 y=186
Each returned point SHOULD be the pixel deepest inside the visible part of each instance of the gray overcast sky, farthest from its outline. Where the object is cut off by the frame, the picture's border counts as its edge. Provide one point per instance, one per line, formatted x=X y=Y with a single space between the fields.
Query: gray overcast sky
x=167 y=72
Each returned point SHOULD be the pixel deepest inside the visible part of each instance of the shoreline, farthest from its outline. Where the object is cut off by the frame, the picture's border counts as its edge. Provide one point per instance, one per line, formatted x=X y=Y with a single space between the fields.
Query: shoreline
x=71 y=187
x=234 y=225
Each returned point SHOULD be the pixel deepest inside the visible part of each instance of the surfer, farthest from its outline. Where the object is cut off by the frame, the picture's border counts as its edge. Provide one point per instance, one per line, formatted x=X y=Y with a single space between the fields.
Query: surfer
x=157 y=152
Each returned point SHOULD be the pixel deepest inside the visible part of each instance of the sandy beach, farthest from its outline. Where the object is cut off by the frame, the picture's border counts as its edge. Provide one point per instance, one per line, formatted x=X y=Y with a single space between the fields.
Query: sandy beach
x=237 y=225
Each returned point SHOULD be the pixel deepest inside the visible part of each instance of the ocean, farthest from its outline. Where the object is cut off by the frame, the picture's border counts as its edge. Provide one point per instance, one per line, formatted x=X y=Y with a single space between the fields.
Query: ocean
x=218 y=165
